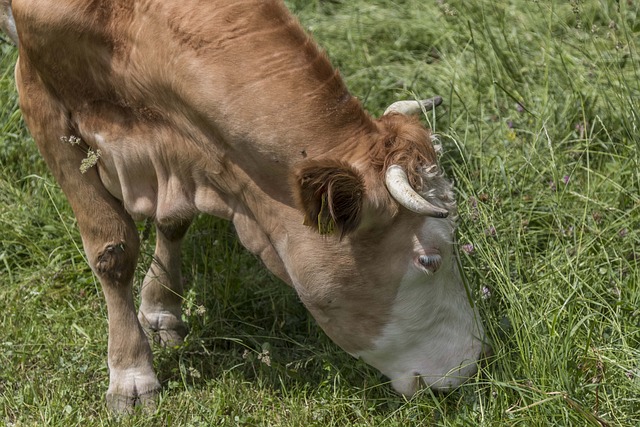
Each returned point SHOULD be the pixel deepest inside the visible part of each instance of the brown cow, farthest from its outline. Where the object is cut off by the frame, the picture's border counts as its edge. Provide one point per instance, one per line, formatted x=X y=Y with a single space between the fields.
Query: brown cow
x=164 y=109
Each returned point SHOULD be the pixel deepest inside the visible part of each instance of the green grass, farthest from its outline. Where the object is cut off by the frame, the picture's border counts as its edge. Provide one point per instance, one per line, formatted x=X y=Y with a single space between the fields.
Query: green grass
x=540 y=131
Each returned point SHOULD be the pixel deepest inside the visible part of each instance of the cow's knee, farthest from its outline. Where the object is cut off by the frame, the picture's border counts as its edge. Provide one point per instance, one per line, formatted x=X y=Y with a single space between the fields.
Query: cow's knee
x=112 y=250
x=115 y=261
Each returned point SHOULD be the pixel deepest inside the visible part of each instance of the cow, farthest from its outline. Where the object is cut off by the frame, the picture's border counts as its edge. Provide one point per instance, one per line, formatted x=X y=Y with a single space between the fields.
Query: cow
x=162 y=110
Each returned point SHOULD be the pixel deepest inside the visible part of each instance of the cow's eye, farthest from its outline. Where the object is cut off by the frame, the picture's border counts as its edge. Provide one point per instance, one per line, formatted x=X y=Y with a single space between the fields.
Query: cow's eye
x=429 y=262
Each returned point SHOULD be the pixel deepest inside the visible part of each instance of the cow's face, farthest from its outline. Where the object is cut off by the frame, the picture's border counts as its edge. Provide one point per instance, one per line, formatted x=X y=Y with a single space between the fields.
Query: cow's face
x=380 y=276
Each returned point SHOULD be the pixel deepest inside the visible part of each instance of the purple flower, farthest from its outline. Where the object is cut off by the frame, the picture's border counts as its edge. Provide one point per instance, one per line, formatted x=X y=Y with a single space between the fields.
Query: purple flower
x=468 y=248
x=510 y=124
x=597 y=217
x=491 y=231
x=486 y=292
x=519 y=108
x=565 y=179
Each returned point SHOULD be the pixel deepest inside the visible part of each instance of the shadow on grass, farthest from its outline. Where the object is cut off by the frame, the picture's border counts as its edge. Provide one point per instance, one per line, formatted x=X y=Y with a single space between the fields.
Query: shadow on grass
x=246 y=323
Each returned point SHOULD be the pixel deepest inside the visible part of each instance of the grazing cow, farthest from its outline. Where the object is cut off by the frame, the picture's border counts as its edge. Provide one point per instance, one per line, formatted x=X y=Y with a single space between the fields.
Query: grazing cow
x=164 y=109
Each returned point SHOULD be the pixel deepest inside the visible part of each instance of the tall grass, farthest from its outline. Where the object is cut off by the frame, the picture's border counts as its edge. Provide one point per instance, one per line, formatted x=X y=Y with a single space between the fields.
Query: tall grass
x=540 y=131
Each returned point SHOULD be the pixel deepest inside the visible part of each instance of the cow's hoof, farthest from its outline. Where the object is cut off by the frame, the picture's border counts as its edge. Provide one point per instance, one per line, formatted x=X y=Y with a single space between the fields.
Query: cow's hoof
x=122 y=405
x=170 y=337
x=163 y=328
x=132 y=389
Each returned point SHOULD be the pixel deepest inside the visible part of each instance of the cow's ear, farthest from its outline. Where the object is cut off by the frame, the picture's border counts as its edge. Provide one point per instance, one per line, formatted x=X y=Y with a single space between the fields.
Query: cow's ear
x=330 y=193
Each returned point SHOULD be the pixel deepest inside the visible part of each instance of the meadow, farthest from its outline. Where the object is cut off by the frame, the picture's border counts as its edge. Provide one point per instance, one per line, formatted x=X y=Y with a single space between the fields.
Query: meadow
x=540 y=130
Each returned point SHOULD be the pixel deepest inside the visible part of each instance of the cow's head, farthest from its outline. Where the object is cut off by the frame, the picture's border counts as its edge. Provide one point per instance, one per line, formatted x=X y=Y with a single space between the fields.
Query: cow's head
x=380 y=273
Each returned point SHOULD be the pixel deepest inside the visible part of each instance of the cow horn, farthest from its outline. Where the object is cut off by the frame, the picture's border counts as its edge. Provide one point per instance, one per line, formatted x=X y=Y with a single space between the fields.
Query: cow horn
x=398 y=185
x=414 y=107
x=7 y=23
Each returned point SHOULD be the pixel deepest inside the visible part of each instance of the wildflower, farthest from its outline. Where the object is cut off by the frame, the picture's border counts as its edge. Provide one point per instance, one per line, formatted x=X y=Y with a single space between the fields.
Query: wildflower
x=468 y=248
x=597 y=217
x=473 y=204
x=265 y=358
x=90 y=161
x=73 y=140
x=565 y=179
x=92 y=155
x=491 y=231
x=194 y=372
x=519 y=108
x=486 y=293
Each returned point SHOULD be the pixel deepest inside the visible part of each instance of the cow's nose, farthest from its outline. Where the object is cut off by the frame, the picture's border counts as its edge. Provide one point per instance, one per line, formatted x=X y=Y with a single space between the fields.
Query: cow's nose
x=407 y=385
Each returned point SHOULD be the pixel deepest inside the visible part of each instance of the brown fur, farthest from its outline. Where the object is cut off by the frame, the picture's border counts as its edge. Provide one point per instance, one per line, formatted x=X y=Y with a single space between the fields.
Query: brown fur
x=405 y=142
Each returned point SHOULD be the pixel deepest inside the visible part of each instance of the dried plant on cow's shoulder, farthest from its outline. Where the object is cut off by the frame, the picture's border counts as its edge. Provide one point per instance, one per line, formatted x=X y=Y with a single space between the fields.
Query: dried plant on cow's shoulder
x=92 y=155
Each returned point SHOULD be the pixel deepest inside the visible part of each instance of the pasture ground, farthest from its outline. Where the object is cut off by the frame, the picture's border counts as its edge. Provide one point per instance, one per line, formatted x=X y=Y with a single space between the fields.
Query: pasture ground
x=540 y=130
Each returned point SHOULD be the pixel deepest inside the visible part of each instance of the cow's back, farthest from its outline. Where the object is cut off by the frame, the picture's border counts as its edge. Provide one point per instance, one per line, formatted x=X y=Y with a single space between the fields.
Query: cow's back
x=188 y=101
x=202 y=59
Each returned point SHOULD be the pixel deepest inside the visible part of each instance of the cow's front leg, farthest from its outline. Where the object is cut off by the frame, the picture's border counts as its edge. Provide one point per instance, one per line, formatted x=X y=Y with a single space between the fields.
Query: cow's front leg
x=109 y=236
x=160 y=309
x=132 y=380
x=111 y=242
